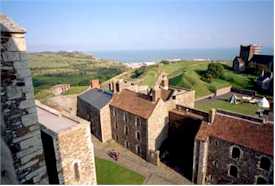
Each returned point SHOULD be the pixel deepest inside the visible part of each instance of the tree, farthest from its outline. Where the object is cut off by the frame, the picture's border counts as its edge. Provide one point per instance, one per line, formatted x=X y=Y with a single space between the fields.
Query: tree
x=214 y=70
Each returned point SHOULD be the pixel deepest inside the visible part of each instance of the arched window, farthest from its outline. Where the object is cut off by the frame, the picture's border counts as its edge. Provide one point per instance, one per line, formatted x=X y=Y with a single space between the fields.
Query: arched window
x=261 y=180
x=235 y=153
x=265 y=163
x=76 y=171
x=233 y=171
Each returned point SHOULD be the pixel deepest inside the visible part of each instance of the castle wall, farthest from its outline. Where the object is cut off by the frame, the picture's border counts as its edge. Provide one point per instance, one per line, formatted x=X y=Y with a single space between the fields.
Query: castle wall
x=75 y=147
x=20 y=129
x=186 y=99
x=220 y=159
x=119 y=121
x=89 y=113
x=158 y=126
x=105 y=120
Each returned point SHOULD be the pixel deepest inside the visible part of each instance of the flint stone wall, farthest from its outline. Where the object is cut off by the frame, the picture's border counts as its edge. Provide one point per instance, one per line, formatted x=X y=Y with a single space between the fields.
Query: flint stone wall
x=20 y=129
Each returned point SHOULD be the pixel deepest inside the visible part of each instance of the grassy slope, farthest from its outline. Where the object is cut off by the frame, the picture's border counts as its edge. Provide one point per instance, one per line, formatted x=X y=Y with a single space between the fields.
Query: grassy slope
x=111 y=173
x=187 y=74
x=77 y=69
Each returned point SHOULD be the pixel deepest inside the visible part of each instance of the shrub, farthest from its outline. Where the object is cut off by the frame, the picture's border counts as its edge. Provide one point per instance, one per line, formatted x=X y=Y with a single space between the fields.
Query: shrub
x=215 y=70
x=164 y=62
x=138 y=72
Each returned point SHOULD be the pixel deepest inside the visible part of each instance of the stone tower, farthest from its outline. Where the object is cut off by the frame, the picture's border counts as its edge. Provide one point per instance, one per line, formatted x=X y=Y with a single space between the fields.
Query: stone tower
x=20 y=132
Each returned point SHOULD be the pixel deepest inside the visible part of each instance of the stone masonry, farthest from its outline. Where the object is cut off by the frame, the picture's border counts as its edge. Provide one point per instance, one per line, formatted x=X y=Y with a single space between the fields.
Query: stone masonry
x=72 y=159
x=19 y=127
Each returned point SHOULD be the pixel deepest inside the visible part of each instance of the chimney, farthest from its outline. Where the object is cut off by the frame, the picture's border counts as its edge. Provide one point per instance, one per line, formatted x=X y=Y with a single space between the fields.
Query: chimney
x=212 y=114
x=95 y=83
x=156 y=93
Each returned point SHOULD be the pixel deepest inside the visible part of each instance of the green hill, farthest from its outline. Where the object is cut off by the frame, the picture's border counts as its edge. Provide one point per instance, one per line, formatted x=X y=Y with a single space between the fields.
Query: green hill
x=75 y=68
x=187 y=74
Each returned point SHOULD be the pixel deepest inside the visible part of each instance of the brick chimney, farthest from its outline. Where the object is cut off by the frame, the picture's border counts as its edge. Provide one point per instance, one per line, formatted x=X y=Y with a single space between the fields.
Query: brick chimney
x=95 y=83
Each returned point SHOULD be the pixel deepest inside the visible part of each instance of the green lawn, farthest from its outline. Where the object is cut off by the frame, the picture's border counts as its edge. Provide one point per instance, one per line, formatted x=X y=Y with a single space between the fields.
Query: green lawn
x=243 y=108
x=76 y=90
x=109 y=173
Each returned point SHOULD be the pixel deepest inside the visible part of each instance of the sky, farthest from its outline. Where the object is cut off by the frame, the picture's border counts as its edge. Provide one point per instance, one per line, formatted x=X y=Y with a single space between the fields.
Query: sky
x=92 y=25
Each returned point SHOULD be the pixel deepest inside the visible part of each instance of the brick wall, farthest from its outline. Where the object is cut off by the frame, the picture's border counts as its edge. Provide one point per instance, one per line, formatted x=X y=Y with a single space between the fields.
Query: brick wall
x=20 y=129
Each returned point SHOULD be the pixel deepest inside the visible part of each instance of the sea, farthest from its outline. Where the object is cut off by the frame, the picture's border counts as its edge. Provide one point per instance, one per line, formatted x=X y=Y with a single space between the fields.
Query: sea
x=147 y=56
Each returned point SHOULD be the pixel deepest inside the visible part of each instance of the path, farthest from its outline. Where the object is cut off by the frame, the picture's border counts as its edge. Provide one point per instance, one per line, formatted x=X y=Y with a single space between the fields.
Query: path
x=153 y=174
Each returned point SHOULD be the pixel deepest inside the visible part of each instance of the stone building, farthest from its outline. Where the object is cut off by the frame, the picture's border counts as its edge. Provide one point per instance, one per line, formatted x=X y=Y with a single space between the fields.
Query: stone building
x=228 y=148
x=68 y=148
x=60 y=89
x=22 y=154
x=234 y=150
x=93 y=105
x=250 y=55
x=139 y=121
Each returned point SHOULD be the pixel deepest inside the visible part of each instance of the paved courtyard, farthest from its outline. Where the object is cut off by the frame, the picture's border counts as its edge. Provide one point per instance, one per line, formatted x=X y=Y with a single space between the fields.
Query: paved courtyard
x=154 y=175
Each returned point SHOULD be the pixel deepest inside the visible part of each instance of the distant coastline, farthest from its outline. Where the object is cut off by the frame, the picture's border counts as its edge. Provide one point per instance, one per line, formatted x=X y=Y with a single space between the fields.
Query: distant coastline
x=153 y=56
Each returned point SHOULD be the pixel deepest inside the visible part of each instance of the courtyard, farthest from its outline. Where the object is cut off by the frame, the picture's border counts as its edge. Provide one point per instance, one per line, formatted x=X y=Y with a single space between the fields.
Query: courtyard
x=222 y=102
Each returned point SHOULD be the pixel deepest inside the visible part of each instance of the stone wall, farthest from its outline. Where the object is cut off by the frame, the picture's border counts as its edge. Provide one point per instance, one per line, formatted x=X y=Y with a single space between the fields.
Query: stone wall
x=89 y=113
x=119 y=121
x=60 y=89
x=75 y=146
x=20 y=129
x=220 y=159
x=105 y=120
x=158 y=126
x=222 y=91
x=186 y=99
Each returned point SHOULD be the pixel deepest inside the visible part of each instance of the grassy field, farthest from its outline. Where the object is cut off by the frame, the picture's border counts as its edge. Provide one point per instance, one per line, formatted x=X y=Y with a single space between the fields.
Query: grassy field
x=110 y=173
x=243 y=108
x=187 y=74
x=75 y=68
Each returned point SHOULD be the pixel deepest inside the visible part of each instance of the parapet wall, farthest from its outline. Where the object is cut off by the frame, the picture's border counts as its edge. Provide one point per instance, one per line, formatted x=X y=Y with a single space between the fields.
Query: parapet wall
x=19 y=124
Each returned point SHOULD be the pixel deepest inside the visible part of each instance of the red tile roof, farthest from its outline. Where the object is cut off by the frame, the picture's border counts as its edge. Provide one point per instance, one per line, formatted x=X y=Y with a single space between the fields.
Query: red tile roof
x=135 y=103
x=256 y=136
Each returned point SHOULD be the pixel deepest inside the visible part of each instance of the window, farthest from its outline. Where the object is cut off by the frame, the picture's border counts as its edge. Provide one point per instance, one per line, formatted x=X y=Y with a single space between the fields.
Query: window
x=265 y=163
x=233 y=171
x=138 y=149
x=261 y=180
x=115 y=124
x=76 y=171
x=173 y=97
x=235 y=153
x=126 y=130
x=127 y=144
x=138 y=135
x=137 y=122
x=114 y=112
